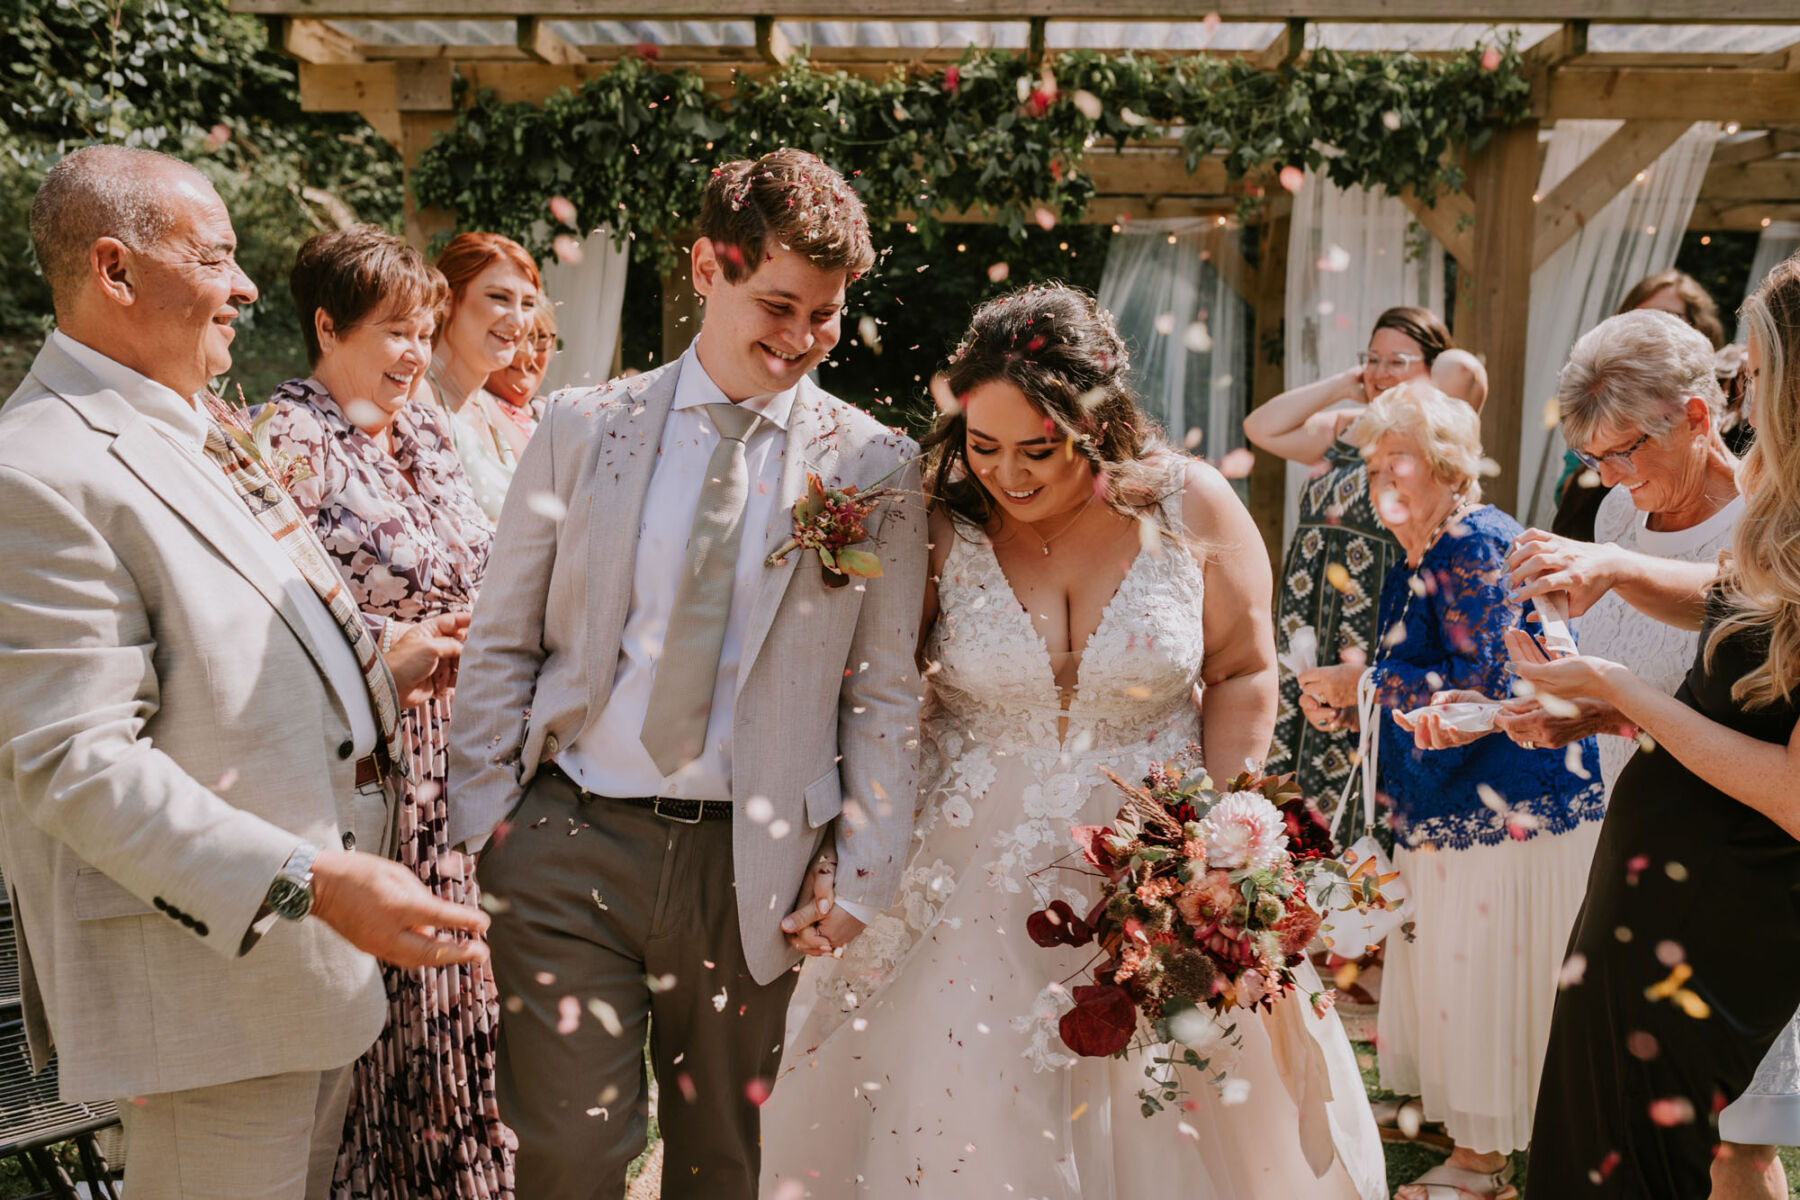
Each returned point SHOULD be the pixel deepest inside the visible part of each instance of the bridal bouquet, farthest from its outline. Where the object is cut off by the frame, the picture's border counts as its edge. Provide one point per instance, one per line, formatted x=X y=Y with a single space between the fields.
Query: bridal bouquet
x=1203 y=909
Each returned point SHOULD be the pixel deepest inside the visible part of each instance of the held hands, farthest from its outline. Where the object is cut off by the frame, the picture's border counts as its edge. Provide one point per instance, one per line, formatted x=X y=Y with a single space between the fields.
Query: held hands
x=423 y=657
x=818 y=926
x=1328 y=696
x=1540 y=562
x=380 y=907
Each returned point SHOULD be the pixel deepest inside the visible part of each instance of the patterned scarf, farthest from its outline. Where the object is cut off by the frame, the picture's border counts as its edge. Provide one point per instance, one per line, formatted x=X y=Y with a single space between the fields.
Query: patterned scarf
x=277 y=513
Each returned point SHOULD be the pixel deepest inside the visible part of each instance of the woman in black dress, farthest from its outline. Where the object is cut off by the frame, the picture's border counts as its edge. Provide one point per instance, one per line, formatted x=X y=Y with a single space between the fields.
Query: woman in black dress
x=1684 y=964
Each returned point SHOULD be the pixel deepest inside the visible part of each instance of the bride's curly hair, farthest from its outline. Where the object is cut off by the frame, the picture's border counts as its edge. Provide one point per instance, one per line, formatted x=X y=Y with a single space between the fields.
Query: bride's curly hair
x=1760 y=577
x=1061 y=349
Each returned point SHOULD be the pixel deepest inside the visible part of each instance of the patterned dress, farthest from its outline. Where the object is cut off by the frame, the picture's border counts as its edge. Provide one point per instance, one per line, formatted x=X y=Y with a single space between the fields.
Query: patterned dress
x=1337 y=529
x=423 y=1122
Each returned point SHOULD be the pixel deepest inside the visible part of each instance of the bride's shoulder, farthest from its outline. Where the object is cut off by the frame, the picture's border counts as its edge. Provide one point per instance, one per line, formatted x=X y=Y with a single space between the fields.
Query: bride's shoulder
x=1210 y=511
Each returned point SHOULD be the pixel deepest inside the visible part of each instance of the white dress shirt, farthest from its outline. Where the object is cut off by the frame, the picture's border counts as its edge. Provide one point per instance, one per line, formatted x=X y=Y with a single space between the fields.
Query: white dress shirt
x=609 y=758
x=183 y=423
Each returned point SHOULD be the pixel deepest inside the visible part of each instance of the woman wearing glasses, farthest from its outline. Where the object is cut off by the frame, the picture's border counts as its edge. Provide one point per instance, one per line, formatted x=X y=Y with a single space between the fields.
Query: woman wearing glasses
x=1640 y=399
x=1340 y=553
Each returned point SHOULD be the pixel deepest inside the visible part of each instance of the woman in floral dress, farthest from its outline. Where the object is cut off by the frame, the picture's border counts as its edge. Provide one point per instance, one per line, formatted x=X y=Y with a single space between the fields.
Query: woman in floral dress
x=377 y=474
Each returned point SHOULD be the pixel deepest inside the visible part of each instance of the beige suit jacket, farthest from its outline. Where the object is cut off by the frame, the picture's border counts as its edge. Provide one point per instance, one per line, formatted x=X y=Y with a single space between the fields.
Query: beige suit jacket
x=826 y=720
x=167 y=737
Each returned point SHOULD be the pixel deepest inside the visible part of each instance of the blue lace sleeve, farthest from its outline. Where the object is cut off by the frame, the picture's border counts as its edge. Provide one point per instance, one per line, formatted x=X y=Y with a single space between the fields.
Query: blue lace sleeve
x=1451 y=636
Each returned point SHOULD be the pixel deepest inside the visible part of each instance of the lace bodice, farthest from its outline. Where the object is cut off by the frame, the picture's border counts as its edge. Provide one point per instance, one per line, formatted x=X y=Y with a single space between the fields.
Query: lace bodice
x=1138 y=671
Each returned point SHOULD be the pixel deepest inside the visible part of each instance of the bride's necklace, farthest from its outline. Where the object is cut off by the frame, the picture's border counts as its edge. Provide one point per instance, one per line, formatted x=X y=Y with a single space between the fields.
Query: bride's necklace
x=1076 y=520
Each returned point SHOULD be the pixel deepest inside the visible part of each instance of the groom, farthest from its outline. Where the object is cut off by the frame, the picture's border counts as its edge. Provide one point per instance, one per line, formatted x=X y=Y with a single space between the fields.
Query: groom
x=693 y=766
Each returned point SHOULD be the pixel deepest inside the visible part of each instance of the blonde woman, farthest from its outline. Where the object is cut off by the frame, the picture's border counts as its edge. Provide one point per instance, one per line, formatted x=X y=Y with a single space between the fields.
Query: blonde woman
x=1493 y=838
x=1684 y=966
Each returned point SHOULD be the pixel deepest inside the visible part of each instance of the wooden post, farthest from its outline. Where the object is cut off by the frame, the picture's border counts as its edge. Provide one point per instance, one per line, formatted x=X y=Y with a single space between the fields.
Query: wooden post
x=1497 y=301
x=680 y=306
x=1268 y=477
x=416 y=131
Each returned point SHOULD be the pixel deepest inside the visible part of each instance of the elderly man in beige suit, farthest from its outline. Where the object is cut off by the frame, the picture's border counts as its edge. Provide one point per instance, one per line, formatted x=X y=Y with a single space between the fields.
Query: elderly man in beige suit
x=681 y=738
x=192 y=721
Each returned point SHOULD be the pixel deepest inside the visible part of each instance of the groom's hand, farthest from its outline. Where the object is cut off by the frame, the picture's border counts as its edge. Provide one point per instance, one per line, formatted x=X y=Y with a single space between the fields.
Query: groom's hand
x=818 y=926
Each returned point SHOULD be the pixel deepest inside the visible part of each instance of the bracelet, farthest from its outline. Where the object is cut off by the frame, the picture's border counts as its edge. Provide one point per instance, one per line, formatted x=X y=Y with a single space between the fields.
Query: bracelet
x=387 y=637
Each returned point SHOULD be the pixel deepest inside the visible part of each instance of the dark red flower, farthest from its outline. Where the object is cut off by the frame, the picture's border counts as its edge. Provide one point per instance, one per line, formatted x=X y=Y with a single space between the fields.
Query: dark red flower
x=648 y=51
x=952 y=78
x=1309 y=836
x=1101 y=1023
x=1058 y=926
x=1092 y=840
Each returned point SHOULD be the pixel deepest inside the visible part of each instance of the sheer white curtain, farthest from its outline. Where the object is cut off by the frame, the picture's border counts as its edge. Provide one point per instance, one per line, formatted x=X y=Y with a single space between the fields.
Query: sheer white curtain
x=1185 y=327
x=1352 y=253
x=1635 y=235
x=588 y=294
x=1777 y=240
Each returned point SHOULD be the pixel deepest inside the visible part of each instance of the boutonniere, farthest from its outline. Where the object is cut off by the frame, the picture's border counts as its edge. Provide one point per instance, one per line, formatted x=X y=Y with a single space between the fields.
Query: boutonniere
x=831 y=523
x=252 y=437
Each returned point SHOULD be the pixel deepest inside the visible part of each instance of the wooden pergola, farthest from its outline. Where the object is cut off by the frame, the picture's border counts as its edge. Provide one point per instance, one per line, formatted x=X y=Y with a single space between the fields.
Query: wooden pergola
x=1497 y=229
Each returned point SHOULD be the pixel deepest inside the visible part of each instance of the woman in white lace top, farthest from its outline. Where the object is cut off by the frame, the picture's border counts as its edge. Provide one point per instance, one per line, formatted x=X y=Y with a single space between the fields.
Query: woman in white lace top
x=1641 y=406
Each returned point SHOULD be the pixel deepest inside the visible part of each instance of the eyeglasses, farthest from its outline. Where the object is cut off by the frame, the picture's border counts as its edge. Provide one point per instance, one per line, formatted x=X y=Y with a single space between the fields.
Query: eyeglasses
x=1621 y=458
x=1399 y=364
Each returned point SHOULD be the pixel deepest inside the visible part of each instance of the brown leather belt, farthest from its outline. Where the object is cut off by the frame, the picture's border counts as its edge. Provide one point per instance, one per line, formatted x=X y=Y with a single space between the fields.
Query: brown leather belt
x=686 y=812
x=367 y=771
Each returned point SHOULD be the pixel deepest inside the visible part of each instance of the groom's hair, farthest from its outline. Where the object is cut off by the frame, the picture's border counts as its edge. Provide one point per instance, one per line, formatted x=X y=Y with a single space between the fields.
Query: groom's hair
x=792 y=199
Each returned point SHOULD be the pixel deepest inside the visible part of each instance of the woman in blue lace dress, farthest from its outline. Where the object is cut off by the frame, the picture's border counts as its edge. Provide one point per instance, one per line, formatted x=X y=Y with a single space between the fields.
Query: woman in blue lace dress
x=1494 y=839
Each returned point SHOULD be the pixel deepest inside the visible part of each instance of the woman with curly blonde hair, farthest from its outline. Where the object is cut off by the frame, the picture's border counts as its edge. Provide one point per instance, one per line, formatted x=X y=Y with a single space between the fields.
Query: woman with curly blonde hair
x=1684 y=966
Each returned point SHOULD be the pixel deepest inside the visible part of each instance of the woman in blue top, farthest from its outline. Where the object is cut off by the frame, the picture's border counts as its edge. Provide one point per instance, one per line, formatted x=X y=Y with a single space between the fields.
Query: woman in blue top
x=1493 y=839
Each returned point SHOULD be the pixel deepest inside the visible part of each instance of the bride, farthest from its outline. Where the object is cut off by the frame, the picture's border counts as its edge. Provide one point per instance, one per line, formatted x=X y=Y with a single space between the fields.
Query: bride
x=1098 y=602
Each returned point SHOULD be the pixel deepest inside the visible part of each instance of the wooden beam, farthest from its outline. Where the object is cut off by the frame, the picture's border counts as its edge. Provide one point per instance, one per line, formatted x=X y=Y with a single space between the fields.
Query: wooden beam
x=1164 y=174
x=772 y=45
x=1545 y=56
x=386 y=122
x=543 y=44
x=1268 y=473
x=1741 y=217
x=1450 y=218
x=317 y=42
x=1591 y=186
x=1035 y=40
x=1673 y=12
x=1501 y=178
x=1285 y=47
x=1751 y=98
x=419 y=86
x=1772 y=179
x=1762 y=145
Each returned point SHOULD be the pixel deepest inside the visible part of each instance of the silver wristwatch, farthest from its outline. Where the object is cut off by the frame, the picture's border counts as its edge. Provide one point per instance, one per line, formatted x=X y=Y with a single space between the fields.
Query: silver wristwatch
x=291 y=895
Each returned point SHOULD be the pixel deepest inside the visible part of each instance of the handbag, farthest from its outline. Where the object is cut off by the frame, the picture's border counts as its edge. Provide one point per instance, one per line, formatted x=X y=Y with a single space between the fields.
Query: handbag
x=1351 y=926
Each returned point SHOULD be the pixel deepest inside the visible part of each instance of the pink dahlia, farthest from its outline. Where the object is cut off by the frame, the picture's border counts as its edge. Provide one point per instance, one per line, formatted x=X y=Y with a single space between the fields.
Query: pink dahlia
x=1243 y=830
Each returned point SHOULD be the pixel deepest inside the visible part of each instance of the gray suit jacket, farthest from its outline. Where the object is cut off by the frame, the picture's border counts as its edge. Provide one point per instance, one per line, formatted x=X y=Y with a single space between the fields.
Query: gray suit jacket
x=826 y=721
x=166 y=740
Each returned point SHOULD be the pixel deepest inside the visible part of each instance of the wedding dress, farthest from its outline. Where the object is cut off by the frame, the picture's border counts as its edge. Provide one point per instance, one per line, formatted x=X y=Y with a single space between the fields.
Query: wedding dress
x=926 y=1061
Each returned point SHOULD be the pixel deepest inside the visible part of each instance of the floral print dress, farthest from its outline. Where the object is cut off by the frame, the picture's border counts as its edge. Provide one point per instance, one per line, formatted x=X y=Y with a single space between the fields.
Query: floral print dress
x=423 y=1121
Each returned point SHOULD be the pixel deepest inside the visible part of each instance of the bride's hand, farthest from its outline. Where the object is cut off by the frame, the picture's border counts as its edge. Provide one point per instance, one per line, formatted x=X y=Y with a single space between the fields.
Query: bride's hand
x=817 y=926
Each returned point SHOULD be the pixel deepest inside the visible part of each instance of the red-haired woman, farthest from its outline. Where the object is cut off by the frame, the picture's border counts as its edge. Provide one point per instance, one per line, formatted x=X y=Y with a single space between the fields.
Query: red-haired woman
x=493 y=297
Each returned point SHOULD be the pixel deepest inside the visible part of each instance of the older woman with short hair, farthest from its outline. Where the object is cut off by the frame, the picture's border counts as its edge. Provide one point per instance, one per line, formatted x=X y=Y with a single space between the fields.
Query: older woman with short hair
x=392 y=505
x=1493 y=839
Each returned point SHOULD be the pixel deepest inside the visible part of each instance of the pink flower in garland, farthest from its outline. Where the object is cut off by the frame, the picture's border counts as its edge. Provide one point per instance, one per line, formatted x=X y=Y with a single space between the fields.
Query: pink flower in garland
x=952 y=78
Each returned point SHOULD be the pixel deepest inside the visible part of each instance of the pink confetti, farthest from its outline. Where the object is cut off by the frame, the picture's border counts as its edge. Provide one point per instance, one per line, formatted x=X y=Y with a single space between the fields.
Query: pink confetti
x=1292 y=178
x=757 y=1092
x=998 y=272
x=1045 y=219
x=562 y=210
x=568 y=1015
x=1490 y=61
x=1211 y=22
x=1642 y=1045
x=1237 y=463
x=216 y=137
x=1671 y=1111
x=567 y=248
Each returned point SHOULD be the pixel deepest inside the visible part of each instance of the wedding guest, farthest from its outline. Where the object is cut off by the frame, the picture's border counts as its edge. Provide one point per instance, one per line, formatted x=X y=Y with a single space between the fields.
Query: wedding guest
x=1680 y=295
x=1493 y=839
x=1650 y=380
x=195 y=723
x=383 y=489
x=1698 y=863
x=494 y=289
x=514 y=387
x=1340 y=552
x=1461 y=375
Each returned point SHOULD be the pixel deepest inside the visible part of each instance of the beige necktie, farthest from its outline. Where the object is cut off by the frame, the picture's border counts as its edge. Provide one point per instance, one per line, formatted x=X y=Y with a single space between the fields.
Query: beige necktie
x=681 y=699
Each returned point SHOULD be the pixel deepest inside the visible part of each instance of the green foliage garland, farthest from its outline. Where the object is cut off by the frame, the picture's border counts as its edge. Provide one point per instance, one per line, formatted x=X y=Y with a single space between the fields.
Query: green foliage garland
x=634 y=146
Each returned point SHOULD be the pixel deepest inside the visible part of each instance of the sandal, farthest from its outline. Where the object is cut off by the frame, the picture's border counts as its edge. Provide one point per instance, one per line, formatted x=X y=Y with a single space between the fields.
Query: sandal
x=1402 y=1119
x=1445 y=1182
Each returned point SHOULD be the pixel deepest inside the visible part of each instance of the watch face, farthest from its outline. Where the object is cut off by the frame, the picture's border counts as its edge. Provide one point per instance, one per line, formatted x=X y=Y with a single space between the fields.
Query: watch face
x=289 y=898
